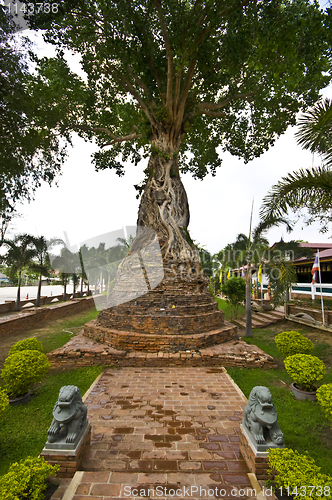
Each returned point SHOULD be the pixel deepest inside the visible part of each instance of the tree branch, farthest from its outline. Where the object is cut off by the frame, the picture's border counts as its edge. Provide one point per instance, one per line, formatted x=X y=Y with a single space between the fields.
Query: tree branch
x=169 y=55
x=141 y=84
x=185 y=91
x=130 y=137
x=140 y=34
x=127 y=86
x=218 y=105
x=177 y=89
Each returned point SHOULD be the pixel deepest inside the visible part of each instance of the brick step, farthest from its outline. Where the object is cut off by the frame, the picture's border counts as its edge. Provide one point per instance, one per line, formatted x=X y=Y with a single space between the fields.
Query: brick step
x=266 y=316
x=155 y=342
x=262 y=319
x=156 y=310
x=277 y=314
x=173 y=324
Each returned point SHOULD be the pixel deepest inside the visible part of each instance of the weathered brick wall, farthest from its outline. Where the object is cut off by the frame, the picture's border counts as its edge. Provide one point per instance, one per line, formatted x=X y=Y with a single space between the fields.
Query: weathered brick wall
x=140 y=341
x=38 y=316
x=80 y=351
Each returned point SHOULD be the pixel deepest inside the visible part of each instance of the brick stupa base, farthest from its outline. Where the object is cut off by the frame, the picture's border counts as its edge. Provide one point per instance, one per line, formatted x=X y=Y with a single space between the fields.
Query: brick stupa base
x=169 y=319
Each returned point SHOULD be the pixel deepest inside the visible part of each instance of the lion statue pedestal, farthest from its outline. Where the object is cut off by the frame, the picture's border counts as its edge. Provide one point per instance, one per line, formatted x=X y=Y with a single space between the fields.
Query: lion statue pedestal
x=259 y=431
x=69 y=435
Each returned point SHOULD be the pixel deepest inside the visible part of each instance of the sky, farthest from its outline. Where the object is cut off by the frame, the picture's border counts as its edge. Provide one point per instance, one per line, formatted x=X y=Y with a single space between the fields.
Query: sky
x=87 y=203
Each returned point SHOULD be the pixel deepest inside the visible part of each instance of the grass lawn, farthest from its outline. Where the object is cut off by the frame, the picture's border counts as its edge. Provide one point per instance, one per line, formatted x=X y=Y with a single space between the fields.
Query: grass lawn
x=303 y=423
x=226 y=308
x=54 y=335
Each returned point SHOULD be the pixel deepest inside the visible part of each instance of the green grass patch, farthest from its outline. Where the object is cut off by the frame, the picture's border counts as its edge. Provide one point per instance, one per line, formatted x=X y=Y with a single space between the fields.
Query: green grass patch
x=23 y=428
x=60 y=332
x=224 y=306
x=52 y=335
x=303 y=423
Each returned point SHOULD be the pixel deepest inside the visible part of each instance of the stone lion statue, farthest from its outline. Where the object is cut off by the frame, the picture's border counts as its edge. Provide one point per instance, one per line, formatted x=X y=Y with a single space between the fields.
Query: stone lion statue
x=260 y=417
x=69 y=415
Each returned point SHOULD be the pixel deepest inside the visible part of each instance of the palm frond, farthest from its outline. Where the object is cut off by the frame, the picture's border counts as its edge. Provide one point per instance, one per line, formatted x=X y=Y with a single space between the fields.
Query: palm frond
x=315 y=128
x=303 y=189
x=265 y=224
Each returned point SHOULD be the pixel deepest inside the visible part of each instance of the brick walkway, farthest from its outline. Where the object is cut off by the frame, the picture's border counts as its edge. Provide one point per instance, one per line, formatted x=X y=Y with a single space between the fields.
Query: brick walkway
x=172 y=430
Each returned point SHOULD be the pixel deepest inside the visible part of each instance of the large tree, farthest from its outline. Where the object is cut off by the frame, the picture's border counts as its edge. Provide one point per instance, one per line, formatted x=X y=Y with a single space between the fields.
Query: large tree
x=176 y=80
x=30 y=150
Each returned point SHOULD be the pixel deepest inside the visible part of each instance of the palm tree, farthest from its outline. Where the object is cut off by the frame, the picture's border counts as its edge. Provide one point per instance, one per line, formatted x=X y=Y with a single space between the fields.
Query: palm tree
x=256 y=241
x=309 y=188
x=41 y=263
x=67 y=263
x=19 y=255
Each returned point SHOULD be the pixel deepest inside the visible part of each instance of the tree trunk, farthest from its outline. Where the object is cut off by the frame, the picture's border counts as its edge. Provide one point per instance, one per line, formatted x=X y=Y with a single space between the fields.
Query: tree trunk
x=248 y=302
x=39 y=291
x=65 y=289
x=164 y=208
x=18 y=296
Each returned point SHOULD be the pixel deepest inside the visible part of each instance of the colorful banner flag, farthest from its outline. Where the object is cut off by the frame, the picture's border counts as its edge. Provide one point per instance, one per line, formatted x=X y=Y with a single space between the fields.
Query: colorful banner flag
x=229 y=274
x=243 y=275
x=315 y=270
x=260 y=274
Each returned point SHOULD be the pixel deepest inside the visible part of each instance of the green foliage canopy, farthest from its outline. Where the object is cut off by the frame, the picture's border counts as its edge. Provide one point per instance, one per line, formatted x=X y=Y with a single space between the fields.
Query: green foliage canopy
x=30 y=150
x=202 y=74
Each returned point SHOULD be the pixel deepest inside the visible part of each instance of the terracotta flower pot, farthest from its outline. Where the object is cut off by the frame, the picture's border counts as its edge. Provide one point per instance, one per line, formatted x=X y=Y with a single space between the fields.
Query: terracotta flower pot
x=303 y=395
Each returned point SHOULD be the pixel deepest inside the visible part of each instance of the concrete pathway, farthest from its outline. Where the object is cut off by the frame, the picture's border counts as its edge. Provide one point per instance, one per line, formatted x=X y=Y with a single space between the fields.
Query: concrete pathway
x=162 y=433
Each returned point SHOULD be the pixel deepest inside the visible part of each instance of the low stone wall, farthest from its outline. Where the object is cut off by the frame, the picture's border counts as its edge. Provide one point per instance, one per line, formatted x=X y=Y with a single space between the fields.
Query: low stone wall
x=316 y=314
x=39 y=315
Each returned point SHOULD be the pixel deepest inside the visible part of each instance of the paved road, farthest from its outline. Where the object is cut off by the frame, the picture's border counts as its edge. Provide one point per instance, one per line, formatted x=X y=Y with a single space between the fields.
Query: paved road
x=10 y=292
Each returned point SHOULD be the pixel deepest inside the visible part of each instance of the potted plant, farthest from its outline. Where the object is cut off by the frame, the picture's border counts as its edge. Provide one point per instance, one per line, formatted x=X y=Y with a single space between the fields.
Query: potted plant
x=21 y=370
x=293 y=342
x=305 y=370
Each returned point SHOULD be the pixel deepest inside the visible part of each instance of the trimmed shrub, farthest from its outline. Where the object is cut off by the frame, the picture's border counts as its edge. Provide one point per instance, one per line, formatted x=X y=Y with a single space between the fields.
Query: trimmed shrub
x=26 y=479
x=3 y=401
x=305 y=370
x=324 y=398
x=31 y=344
x=22 y=369
x=235 y=292
x=299 y=474
x=292 y=342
